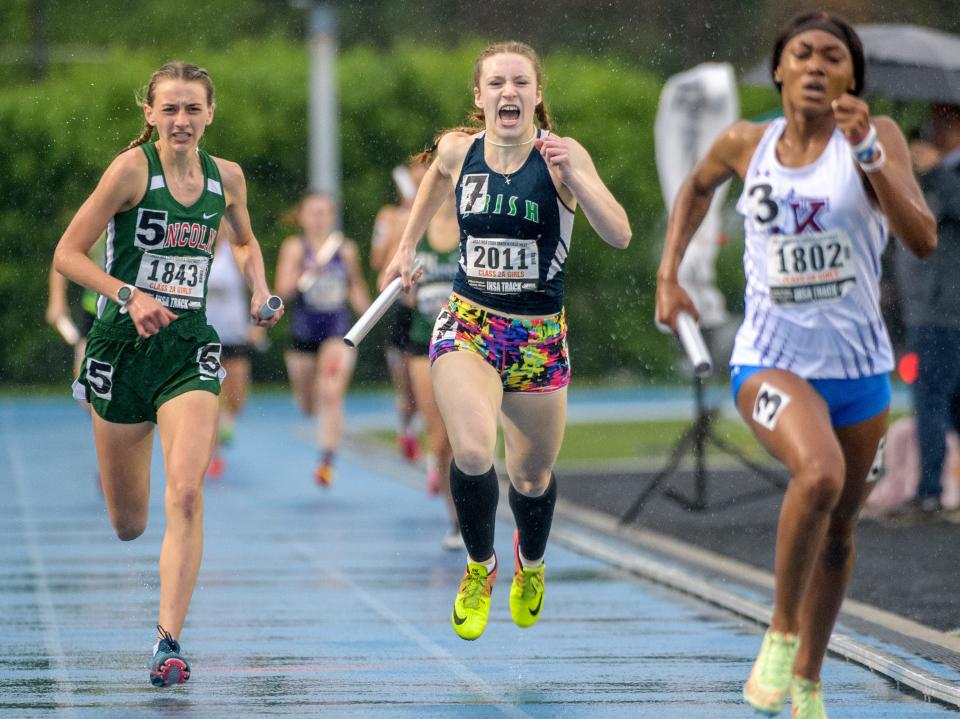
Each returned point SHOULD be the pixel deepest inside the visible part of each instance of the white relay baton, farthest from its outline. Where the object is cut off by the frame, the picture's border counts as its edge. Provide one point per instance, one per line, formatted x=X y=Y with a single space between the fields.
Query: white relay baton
x=269 y=308
x=67 y=330
x=689 y=333
x=377 y=309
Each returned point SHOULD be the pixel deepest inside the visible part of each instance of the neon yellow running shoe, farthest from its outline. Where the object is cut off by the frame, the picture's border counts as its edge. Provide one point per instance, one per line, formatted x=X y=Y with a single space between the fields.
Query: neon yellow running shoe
x=766 y=689
x=526 y=592
x=807 y=699
x=472 y=605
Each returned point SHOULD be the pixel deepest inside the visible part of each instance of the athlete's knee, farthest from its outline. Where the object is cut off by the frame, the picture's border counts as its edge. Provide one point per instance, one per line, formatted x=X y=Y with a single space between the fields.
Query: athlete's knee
x=185 y=499
x=129 y=528
x=821 y=480
x=474 y=458
x=530 y=483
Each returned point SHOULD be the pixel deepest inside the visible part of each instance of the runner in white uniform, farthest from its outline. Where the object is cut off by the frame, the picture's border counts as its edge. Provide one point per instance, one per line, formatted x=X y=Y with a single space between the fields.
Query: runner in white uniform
x=810 y=363
x=228 y=312
x=812 y=264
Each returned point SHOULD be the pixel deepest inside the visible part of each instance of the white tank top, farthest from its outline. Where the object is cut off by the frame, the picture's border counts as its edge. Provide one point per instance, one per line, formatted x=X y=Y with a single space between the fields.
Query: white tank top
x=812 y=265
x=228 y=307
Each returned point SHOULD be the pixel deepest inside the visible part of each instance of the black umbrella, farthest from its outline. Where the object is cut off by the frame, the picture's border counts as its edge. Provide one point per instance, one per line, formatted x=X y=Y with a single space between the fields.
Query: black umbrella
x=904 y=62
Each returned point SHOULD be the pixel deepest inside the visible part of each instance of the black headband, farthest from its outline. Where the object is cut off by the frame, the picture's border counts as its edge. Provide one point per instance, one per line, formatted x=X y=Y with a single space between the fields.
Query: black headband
x=826 y=26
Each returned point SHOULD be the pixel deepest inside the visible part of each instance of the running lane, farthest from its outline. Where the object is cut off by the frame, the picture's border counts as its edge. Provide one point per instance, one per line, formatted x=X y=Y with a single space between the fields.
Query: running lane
x=334 y=603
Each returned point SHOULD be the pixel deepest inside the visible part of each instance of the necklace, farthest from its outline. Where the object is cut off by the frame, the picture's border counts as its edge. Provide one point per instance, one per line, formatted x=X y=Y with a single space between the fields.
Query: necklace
x=507 y=175
x=510 y=144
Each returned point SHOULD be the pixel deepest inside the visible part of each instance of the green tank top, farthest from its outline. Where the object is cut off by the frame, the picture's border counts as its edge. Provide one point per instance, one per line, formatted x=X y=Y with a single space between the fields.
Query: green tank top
x=433 y=290
x=162 y=247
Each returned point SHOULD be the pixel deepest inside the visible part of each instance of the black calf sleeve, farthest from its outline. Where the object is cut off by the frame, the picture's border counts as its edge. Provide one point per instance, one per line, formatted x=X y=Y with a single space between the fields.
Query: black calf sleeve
x=533 y=516
x=475 y=496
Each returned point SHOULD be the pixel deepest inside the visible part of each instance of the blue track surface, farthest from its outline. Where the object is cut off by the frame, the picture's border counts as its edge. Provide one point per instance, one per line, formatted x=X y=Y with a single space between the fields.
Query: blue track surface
x=334 y=604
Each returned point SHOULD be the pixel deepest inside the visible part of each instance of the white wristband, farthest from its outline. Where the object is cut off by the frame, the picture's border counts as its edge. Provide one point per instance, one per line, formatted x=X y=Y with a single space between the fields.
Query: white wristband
x=878 y=161
x=867 y=141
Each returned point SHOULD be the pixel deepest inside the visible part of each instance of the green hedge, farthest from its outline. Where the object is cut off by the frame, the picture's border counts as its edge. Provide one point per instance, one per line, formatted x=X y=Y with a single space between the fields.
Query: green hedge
x=60 y=134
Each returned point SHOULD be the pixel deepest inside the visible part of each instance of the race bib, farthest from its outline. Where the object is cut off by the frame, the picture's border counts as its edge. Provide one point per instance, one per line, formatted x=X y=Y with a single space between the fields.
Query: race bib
x=431 y=298
x=815 y=268
x=327 y=292
x=175 y=282
x=502 y=266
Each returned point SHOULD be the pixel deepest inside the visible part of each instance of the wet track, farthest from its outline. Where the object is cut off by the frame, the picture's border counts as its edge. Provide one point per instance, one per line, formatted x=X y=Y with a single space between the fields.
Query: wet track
x=336 y=603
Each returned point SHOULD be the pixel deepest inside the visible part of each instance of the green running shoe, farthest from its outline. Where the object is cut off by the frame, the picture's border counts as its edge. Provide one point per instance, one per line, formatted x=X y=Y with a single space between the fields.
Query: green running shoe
x=807 y=699
x=526 y=592
x=168 y=666
x=472 y=605
x=766 y=689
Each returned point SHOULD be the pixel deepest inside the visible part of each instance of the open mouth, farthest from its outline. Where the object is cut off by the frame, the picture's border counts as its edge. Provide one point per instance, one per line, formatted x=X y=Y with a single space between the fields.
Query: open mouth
x=814 y=87
x=182 y=136
x=509 y=113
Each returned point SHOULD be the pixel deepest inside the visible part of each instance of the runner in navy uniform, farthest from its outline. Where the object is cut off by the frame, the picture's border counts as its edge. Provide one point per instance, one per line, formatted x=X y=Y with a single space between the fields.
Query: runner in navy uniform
x=499 y=345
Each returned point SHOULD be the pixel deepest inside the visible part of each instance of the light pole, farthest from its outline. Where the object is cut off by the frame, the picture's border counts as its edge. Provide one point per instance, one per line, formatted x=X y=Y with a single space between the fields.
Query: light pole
x=323 y=112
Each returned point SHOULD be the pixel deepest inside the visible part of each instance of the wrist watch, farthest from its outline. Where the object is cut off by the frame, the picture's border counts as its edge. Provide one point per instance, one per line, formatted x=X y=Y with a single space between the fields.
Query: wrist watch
x=124 y=295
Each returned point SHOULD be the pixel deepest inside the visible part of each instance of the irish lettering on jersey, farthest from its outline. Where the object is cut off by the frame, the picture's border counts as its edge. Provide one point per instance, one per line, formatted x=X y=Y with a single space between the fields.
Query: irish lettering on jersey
x=476 y=200
x=514 y=235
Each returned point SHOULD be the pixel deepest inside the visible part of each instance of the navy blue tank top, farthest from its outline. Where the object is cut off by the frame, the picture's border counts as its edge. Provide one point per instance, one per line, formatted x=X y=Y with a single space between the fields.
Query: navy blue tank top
x=514 y=235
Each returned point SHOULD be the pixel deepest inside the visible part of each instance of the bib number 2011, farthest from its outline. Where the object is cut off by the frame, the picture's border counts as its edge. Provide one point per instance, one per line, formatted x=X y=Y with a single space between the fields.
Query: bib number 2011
x=495 y=258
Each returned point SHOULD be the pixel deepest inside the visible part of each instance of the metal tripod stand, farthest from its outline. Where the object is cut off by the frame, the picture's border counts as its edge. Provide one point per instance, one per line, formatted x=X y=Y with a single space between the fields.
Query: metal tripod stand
x=696 y=438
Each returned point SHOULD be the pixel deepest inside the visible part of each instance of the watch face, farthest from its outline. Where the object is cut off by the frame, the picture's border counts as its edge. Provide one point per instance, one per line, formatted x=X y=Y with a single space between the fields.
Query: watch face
x=124 y=294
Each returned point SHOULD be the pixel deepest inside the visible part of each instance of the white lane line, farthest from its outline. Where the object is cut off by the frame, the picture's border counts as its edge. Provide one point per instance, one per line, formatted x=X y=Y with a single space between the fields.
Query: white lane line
x=473 y=681
x=689 y=582
x=64 y=687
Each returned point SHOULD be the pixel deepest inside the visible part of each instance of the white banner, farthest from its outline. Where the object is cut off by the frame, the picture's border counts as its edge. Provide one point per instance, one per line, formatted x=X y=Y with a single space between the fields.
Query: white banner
x=695 y=107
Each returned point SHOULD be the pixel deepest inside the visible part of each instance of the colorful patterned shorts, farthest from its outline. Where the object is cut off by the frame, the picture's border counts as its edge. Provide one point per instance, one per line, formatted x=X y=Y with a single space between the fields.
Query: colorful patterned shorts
x=530 y=354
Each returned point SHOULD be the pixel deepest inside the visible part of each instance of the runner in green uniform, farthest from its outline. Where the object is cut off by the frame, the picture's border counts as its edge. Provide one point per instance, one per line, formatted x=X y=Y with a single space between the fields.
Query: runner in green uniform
x=440 y=260
x=58 y=313
x=151 y=357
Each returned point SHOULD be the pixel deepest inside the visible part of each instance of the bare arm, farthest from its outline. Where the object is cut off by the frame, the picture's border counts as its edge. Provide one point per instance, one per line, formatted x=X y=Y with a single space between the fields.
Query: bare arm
x=579 y=175
x=893 y=184
x=288 y=267
x=728 y=156
x=386 y=236
x=245 y=247
x=358 y=293
x=434 y=189
x=56 y=296
x=120 y=188
x=899 y=194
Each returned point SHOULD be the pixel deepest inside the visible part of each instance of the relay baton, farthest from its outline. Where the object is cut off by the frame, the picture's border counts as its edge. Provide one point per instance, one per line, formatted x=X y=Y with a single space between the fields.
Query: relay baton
x=269 y=308
x=689 y=333
x=67 y=330
x=377 y=309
